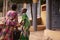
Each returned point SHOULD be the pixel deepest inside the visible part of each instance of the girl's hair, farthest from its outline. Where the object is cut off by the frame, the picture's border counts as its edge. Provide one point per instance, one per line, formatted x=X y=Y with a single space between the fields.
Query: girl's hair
x=24 y=10
x=14 y=7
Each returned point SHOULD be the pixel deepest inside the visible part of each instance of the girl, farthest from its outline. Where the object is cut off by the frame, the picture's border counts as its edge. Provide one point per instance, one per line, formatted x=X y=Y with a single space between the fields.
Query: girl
x=11 y=21
x=26 y=25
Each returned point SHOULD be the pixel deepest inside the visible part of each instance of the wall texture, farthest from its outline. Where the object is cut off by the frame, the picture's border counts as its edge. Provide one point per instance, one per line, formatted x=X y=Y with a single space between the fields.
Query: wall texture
x=43 y=14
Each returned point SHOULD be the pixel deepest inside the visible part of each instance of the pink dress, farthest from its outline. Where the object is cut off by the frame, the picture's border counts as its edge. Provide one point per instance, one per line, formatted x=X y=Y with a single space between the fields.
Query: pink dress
x=11 y=18
x=8 y=38
x=8 y=35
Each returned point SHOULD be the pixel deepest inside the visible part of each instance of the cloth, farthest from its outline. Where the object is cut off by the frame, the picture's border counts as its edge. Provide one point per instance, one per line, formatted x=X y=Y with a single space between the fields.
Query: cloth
x=11 y=18
x=26 y=20
x=8 y=35
x=16 y=34
x=26 y=26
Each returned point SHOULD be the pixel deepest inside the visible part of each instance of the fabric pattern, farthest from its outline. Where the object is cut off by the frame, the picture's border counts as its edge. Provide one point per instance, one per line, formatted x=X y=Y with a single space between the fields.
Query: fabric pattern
x=26 y=26
x=11 y=18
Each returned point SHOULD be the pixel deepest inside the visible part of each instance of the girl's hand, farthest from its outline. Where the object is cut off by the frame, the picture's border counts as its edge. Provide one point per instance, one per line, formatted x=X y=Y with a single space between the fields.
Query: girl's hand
x=22 y=22
x=18 y=25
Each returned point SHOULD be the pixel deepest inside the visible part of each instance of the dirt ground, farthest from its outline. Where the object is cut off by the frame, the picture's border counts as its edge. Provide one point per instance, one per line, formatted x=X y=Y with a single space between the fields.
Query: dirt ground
x=36 y=35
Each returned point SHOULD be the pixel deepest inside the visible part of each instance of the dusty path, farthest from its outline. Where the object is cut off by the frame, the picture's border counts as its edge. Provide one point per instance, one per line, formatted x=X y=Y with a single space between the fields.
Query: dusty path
x=36 y=35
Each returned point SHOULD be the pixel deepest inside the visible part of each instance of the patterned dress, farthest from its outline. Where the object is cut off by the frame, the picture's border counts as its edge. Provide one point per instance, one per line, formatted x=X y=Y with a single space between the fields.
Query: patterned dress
x=11 y=21
x=26 y=26
x=11 y=18
x=8 y=35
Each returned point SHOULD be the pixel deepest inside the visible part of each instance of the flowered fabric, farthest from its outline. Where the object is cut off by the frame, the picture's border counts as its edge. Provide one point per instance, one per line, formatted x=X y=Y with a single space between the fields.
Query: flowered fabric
x=11 y=18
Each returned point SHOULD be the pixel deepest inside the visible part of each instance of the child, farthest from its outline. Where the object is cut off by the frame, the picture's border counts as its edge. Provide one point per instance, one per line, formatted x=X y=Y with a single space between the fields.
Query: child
x=16 y=33
x=26 y=25
x=11 y=21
